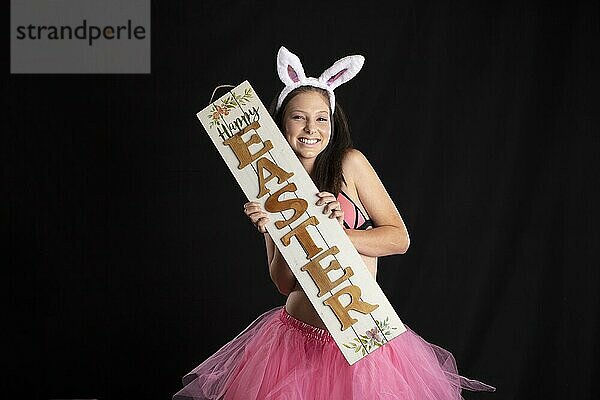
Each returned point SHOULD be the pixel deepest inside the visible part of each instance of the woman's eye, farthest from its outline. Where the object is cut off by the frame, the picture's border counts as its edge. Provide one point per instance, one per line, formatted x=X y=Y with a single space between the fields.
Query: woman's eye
x=322 y=119
x=296 y=116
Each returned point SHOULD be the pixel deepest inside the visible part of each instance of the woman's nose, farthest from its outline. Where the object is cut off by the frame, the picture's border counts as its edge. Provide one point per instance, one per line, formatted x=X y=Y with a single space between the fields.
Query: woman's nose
x=310 y=127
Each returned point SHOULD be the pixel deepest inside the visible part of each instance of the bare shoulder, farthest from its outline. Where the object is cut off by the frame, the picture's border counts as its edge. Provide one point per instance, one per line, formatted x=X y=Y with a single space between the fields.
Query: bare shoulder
x=356 y=166
x=354 y=162
x=370 y=190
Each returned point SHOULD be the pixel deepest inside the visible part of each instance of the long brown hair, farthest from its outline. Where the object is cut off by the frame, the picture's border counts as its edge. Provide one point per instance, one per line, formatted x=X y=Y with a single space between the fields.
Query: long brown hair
x=327 y=171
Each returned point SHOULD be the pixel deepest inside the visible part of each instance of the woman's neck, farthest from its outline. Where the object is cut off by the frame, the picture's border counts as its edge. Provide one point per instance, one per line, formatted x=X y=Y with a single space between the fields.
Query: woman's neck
x=308 y=165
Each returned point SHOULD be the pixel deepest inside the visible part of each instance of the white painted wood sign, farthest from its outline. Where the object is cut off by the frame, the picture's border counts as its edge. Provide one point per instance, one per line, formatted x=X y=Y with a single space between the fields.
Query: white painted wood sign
x=332 y=273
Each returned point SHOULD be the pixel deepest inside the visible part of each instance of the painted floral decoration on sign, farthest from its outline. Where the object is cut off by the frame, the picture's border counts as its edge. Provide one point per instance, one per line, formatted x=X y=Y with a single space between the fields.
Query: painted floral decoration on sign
x=231 y=102
x=372 y=338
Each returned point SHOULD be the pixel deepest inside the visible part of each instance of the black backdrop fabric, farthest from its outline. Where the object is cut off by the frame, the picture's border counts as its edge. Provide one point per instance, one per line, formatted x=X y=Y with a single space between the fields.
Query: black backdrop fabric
x=130 y=258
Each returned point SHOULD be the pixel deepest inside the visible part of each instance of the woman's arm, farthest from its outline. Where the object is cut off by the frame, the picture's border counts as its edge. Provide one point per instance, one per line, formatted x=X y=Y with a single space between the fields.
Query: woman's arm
x=281 y=274
x=389 y=235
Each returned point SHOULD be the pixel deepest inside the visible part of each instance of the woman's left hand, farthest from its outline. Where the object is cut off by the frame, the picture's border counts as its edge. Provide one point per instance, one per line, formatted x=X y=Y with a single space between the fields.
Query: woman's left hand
x=332 y=206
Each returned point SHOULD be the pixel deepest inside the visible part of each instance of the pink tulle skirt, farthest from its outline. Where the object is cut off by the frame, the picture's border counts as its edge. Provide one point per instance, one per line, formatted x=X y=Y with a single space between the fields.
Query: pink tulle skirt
x=281 y=357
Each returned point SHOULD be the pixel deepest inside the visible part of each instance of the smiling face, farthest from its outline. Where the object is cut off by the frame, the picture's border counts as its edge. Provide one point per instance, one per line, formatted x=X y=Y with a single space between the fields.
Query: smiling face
x=307 y=126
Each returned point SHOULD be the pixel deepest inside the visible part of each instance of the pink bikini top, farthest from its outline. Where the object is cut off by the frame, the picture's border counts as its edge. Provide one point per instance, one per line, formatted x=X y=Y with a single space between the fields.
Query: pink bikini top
x=353 y=216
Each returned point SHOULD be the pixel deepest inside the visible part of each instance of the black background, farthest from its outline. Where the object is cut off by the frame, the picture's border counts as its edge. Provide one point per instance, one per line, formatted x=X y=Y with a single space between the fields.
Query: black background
x=130 y=258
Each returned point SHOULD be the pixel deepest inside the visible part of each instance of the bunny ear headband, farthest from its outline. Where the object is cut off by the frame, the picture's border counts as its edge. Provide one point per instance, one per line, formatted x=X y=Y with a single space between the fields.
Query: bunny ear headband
x=292 y=74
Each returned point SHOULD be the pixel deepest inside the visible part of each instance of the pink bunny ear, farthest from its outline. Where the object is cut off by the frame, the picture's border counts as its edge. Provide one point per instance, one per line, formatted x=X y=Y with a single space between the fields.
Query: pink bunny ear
x=291 y=73
x=342 y=71
x=289 y=67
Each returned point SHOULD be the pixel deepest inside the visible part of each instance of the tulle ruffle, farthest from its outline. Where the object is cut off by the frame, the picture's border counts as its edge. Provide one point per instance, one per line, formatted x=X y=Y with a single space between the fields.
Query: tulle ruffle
x=281 y=357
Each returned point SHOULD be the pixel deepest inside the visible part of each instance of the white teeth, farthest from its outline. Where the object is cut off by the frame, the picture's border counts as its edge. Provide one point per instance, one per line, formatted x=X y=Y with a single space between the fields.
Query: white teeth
x=308 y=141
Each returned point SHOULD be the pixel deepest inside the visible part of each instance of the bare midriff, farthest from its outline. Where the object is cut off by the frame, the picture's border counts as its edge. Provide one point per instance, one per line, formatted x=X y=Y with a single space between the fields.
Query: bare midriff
x=299 y=307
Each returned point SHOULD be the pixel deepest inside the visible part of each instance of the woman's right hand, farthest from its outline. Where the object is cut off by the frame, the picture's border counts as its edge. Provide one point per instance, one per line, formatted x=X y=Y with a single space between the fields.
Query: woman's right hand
x=257 y=215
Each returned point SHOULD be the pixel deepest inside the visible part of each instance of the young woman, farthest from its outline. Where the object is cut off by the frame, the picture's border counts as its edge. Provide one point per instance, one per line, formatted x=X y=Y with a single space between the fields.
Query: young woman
x=287 y=353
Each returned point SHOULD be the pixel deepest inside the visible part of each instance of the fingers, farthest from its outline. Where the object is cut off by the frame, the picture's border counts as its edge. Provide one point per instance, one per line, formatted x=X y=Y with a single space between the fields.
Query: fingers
x=330 y=202
x=252 y=207
x=325 y=198
x=333 y=208
x=257 y=215
x=261 y=225
x=339 y=215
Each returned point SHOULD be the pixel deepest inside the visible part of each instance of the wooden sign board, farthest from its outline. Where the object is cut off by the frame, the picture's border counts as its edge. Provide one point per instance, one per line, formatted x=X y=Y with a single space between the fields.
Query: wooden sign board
x=321 y=256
